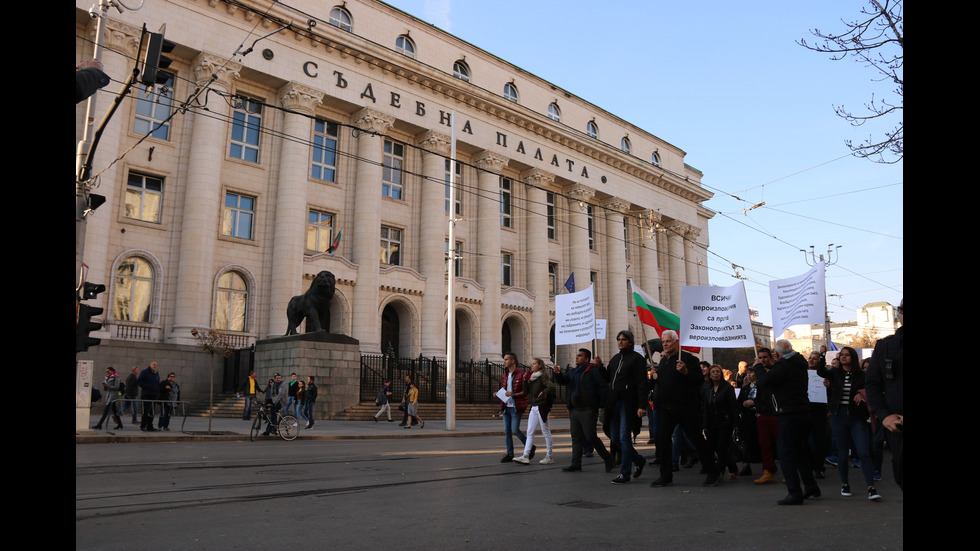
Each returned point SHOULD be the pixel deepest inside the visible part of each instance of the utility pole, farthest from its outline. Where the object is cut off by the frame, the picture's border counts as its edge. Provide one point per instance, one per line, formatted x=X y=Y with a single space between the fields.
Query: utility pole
x=833 y=255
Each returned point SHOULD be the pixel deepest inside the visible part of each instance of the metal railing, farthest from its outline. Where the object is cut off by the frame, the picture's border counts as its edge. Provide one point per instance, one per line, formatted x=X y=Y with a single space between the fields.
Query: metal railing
x=177 y=408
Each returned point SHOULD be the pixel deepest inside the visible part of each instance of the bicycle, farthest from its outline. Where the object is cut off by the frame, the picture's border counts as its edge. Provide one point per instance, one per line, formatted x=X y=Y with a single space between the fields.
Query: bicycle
x=287 y=427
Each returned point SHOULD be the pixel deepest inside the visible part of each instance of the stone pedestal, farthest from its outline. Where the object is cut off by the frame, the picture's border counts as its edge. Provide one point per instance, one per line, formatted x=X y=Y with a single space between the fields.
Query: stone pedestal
x=334 y=360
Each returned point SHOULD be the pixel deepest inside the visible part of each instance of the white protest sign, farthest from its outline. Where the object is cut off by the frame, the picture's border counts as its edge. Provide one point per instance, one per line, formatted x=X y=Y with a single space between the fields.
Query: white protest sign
x=715 y=316
x=798 y=300
x=575 y=317
x=600 y=329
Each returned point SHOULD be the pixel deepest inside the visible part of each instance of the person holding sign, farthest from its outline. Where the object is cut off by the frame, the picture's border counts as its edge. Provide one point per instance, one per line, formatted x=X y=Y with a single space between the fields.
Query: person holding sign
x=678 y=380
x=513 y=402
x=587 y=389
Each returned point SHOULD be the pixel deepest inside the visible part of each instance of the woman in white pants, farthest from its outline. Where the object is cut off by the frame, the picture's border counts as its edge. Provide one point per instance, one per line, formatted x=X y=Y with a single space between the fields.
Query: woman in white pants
x=541 y=394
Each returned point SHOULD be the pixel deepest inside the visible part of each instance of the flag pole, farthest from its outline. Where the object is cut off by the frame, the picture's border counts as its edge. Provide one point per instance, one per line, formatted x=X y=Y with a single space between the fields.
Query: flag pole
x=643 y=329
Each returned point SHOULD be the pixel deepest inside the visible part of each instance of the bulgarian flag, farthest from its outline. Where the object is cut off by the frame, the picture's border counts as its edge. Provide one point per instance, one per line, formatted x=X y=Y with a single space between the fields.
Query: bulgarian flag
x=335 y=244
x=656 y=315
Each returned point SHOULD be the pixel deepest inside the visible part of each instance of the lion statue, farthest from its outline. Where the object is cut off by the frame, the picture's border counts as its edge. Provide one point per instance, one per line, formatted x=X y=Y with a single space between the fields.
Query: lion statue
x=313 y=305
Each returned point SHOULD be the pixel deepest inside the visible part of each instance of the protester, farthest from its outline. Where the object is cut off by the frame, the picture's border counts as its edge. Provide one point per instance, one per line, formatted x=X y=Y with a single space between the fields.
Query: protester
x=720 y=411
x=541 y=394
x=885 y=392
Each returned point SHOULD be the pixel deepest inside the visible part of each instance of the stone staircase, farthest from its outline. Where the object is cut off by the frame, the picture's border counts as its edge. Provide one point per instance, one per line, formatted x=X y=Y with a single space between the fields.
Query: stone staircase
x=227 y=406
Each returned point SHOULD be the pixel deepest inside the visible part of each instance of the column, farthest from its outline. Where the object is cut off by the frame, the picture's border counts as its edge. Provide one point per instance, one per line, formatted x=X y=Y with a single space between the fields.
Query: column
x=202 y=203
x=678 y=271
x=578 y=234
x=291 y=209
x=649 y=279
x=617 y=307
x=434 y=228
x=693 y=257
x=536 y=252
x=367 y=227
x=488 y=245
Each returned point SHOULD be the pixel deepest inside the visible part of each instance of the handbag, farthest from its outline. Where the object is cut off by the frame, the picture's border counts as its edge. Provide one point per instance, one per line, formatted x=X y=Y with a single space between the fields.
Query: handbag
x=738 y=452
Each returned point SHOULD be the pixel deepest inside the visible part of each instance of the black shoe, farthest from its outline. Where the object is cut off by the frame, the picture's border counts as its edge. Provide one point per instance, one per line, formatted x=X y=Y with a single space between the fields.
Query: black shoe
x=639 y=468
x=375 y=419
x=118 y=427
x=713 y=479
x=691 y=462
x=660 y=482
x=811 y=492
x=507 y=458
x=622 y=479
x=391 y=420
x=97 y=427
x=610 y=465
x=656 y=461
x=531 y=454
x=571 y=469
x=790 y=500
x=675 y=467
x=587 y=454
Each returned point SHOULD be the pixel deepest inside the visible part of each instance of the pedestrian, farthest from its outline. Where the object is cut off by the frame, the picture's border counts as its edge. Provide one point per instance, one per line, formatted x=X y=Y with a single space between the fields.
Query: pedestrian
x=170 y=394
x=301 y=399
x=382 y=399
x=541 y=395
x=292 y=404
x=885 y=389
x=249 y=389
x=311 y=391
x=149 y=384
x=412 y=408
x=130 y=390
x=512 y=405
x=110 y=387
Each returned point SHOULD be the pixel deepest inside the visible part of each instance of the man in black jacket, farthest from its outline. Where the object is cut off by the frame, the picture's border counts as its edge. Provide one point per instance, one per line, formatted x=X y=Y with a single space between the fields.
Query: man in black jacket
x=788 y=381
x=626 y=402
x=586 y=391
x=676 y=381
x=885 y=389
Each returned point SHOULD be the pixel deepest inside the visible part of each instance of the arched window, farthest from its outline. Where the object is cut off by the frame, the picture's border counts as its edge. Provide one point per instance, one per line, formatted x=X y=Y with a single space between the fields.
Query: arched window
x=340 y=18
x=405 y=45
x=624 y=144
x=133 y=292
x=554 y=113
x=510 y=92
x=461 y=70
x=592 y=130
x=655 y=159
x=232 y=302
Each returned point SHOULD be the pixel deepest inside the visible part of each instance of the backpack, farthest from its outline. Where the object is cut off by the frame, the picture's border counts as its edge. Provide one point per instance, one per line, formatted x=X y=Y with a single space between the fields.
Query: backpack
x=382 y=397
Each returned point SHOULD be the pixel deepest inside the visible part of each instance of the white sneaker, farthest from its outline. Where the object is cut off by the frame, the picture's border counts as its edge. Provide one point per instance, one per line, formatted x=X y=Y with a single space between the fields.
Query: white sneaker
x=547 y=460
x=522 y=460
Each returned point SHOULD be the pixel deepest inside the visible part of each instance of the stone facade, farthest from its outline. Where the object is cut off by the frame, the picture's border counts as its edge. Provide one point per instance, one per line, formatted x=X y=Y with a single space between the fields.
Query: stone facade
x=226 y=211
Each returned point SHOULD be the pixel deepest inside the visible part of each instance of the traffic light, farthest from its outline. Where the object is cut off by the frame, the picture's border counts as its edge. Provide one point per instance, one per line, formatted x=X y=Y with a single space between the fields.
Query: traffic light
x=154 y=60
x=85 y=324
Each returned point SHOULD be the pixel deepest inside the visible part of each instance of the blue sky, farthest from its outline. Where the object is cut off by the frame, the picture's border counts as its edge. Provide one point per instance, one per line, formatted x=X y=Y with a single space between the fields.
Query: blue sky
x=727 y=83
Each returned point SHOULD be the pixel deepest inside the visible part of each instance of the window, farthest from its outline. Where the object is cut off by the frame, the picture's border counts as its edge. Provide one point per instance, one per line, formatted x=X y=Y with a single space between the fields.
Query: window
x=238 y=215
x=553 y=277
x=461 y=70
x=340 y=18
x=655 y=159
x=594 y=280
x=626 y=238
x=391 y=178
x=319 y=231
x=153 y=105
x=510 y=92
x=588 y=210
x=391 y=243
x=592 y=130
x=459 y=186
x=324 y=165
x=405 y=46
x=245 y=128
x=506 y=269
x=458 y=264
x=624 y=144
x=232 y=301
x=133 y=293
x=144 y=196
x=554 y=113
x=505 y=208
x=552 y=233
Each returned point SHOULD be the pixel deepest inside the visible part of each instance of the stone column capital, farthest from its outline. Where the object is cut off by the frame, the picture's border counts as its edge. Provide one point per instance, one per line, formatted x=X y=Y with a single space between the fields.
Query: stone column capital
x=538 y=177
x=434 y=142
x=580 y=192
x=372 y=121
x=300 y=97
x=490 y=161
x=618 y=205
x=119 y=36
x=206 y=64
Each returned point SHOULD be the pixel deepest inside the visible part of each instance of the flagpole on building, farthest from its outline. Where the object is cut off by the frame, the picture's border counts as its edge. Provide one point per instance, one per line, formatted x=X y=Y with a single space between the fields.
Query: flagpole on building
x=450 y=293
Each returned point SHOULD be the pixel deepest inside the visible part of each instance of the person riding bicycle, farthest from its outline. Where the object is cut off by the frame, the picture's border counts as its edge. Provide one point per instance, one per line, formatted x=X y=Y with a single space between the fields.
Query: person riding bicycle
x=275 y=396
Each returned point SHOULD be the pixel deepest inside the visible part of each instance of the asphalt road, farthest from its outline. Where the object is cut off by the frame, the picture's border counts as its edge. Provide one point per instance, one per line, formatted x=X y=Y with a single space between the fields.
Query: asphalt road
x=438 y=493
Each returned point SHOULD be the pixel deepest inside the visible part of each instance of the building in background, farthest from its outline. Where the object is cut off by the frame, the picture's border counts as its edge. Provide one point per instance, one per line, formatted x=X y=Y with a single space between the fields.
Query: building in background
x=335 y=131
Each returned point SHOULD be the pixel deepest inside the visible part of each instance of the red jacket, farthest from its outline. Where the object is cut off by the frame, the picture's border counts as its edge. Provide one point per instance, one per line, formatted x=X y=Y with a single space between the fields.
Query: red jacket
x=520 y=378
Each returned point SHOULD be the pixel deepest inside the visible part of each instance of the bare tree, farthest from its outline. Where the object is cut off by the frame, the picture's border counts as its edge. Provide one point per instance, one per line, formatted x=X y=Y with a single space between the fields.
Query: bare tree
x=876 y=41
x=213 y=343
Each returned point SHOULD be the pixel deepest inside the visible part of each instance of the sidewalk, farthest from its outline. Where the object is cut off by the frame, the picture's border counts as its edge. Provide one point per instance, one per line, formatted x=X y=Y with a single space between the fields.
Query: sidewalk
x=225 y=429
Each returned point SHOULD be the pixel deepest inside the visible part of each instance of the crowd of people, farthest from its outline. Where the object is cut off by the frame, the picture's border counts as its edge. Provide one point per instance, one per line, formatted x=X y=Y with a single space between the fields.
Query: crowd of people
x=296 y=398
x=141 y=391
x=705 y=414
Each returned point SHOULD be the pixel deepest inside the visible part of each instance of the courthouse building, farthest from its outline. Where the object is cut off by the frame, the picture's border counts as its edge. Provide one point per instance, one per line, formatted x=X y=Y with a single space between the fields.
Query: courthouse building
x=336 y=130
